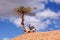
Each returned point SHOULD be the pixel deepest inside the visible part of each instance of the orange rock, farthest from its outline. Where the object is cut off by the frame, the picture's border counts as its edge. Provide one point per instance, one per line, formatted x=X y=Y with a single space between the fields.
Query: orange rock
x=51 y=35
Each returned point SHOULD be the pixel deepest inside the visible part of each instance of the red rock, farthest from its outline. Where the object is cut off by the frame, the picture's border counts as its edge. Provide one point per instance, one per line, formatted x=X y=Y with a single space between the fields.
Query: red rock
x=51 y=35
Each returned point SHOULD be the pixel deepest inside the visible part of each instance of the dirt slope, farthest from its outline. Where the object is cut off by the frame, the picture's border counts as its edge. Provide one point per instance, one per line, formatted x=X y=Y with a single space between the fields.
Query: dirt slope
x=51 y=35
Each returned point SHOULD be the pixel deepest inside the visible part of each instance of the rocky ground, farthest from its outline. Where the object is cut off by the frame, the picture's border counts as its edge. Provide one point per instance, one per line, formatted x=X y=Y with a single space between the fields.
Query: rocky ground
x=51 y=35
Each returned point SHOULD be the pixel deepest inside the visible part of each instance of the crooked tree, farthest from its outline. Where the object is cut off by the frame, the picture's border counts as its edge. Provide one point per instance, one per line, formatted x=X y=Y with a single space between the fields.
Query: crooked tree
x=21 y=11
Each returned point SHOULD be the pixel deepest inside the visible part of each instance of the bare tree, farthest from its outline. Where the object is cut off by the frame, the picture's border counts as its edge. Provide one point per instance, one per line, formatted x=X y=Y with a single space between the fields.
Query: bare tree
x=21 y=11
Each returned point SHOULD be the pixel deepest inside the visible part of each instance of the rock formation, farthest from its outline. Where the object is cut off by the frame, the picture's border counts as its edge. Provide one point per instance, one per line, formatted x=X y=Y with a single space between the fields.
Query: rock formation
x=51 y=35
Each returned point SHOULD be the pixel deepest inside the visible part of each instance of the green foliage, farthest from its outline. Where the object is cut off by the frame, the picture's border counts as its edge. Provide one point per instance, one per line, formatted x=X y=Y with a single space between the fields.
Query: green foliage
x=25 y=10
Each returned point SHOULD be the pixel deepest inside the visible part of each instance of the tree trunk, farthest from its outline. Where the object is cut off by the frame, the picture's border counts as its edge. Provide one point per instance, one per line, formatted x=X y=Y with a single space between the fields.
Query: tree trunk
x=22 y=22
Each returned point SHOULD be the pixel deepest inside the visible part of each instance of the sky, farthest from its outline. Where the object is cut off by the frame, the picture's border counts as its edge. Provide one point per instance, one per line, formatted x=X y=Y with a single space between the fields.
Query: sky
x=47 y=17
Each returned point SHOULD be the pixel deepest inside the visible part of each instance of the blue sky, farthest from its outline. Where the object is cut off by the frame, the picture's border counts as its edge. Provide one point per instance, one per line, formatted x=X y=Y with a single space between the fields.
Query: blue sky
x=9 y=30
x=47 y=17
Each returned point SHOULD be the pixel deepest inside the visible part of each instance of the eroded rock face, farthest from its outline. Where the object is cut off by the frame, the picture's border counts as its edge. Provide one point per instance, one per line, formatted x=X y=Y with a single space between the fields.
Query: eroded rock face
x=51 y=35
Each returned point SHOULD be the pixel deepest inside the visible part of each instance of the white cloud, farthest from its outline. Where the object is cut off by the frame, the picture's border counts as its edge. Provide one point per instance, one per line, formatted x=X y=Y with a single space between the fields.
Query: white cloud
x=6 y=39
x=36 y=21
x=48 y=21
x=37 y=3
x=47 y=14
x=57 y=1
x=56 y=26
x=8 y=5
x=16 y=21
x=32 y=21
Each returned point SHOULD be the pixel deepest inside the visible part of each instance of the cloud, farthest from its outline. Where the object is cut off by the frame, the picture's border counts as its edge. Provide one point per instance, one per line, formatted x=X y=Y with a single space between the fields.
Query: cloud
x=56 y=26
x=16 y=21
x=7 y=6
x=6 y=39
x=47 y=14
x=32 y=21
x=57 y=1
x=37 y=21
